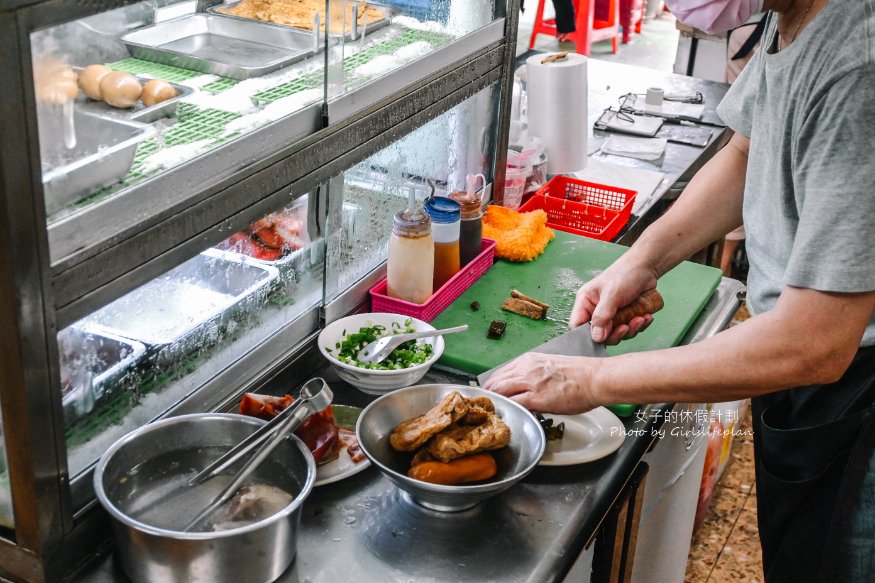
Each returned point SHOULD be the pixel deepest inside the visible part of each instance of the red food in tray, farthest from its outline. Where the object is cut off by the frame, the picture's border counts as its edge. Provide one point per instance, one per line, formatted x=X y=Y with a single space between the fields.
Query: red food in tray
x=270 y=238
x=319 y=432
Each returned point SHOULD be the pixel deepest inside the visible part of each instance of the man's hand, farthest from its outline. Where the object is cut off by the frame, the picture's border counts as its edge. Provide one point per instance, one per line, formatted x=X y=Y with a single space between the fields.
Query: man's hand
x=599 y=300
x=547 y=383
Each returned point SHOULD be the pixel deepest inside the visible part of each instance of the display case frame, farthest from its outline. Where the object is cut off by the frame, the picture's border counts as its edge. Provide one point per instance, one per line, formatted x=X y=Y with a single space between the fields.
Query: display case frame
x=39 y=296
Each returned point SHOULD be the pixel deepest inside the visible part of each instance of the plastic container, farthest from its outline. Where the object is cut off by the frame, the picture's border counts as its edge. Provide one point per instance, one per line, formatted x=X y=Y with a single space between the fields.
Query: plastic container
x=437 y=303
x=445 y=216
x=583 y=208
x=410 y=269
x=515 y=186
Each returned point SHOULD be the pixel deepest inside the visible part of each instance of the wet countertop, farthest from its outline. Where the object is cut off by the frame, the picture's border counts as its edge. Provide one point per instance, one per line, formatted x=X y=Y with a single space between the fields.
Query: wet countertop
x=364 y=528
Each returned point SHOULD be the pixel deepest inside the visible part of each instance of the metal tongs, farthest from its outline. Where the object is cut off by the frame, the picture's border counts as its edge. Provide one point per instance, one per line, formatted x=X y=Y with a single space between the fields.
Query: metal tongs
x=314 y=396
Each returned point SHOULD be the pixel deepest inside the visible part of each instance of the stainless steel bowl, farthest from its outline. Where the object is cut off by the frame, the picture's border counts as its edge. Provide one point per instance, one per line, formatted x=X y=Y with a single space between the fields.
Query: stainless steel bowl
x=375 y=424
x=141 y=480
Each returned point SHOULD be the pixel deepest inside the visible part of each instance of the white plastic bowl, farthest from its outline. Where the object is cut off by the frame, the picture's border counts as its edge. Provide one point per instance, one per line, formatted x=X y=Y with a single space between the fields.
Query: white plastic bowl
x=376 y=382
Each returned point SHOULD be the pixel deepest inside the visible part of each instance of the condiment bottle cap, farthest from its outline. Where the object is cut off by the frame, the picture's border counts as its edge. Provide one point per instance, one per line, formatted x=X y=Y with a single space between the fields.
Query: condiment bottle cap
x=442 y=209
x=412 y=222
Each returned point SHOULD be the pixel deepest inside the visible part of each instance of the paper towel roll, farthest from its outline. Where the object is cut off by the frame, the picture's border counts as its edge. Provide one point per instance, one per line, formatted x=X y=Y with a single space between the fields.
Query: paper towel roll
x=557 y=94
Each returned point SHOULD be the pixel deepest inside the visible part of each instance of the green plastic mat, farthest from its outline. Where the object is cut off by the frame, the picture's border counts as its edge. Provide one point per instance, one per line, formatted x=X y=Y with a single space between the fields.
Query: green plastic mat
x=352 y=62
x=307 y=81
x=170 y=73
x=408 y=37
x=157 y=70
x=196 y=123
x=220 y=85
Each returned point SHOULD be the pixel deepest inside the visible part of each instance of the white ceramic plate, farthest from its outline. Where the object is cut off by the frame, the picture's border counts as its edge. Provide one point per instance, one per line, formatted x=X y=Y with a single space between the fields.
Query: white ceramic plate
x=588 y=437
x=343 y=467
x=339 y=469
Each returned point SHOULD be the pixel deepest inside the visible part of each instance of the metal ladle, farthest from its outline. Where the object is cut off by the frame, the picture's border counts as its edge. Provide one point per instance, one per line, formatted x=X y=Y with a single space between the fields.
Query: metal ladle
x=267 y=437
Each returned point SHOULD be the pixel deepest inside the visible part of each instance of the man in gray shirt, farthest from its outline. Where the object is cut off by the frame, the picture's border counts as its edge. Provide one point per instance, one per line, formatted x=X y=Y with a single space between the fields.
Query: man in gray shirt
x=800 y=171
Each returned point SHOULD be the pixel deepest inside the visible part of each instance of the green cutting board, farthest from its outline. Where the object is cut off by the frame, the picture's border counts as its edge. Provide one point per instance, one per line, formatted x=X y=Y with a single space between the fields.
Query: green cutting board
x=554 y=278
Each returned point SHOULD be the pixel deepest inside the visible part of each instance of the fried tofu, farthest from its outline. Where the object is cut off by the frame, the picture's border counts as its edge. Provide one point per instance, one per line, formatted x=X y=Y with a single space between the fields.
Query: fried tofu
x=524 y=308
x=460 y=440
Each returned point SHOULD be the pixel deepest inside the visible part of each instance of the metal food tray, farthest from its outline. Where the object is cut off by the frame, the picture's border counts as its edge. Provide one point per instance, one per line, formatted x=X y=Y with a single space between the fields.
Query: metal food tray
x=351 y=35
x=239 y=48
x=104 y=153
x=114 y=362
x=185 y=309
x=139 y=112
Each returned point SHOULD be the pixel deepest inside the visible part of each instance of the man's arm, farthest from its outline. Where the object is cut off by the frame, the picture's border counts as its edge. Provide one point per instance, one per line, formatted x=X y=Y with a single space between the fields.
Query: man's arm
x=709 y=208
x=810 y=337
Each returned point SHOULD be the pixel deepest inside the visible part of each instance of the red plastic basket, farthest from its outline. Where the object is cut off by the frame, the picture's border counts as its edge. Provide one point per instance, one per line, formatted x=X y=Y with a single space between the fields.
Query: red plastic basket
x=583 y=208
x=443 y=297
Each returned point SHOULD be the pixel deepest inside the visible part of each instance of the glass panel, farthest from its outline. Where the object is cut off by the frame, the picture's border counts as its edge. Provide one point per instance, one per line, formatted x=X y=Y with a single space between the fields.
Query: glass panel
x=132 y=360
x=445 y=150
x=6 y=518
x=224 y=77
x=379 y=38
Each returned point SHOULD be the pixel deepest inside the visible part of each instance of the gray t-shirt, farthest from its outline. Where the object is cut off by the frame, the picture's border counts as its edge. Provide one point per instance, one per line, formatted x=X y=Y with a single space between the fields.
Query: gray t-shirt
x=809 y=199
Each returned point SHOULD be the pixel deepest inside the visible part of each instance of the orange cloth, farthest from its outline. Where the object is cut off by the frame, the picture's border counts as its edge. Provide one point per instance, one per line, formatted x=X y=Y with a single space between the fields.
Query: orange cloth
x=518 y=236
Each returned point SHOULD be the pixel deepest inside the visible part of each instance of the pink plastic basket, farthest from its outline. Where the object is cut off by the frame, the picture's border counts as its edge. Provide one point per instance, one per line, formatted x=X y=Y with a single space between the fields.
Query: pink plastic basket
x=443 y=297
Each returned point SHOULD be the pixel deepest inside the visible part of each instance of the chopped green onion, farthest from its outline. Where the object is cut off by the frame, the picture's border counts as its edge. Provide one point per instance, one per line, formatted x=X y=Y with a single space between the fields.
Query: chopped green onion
x=406 y=355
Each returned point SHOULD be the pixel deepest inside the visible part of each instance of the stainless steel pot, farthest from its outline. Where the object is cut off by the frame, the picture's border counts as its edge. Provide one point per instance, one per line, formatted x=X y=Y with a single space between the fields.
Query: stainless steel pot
x=141 y=482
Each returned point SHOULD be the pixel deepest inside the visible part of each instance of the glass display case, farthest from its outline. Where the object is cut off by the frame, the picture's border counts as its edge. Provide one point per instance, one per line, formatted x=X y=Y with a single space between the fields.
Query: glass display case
x=190 y=191
x=139 y=356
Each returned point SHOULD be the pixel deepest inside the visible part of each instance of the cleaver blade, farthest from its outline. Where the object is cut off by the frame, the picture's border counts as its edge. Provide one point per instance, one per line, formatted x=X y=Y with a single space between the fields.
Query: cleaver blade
x=577 y=342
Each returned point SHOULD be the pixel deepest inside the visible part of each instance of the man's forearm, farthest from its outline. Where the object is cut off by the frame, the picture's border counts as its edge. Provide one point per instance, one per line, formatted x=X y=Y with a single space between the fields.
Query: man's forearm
x=709 y=207
x=772 y=351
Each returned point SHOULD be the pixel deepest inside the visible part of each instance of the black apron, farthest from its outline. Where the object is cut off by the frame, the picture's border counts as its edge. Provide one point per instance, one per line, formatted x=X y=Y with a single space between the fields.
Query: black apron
x=812 y=447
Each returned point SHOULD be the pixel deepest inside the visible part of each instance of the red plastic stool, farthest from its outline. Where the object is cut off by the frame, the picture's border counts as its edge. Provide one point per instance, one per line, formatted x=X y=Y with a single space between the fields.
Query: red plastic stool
x=631 y=16
x=588 y=28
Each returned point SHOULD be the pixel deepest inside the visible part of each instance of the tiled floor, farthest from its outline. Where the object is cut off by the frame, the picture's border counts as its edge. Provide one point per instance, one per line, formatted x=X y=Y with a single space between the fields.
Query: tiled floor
x=726 y=548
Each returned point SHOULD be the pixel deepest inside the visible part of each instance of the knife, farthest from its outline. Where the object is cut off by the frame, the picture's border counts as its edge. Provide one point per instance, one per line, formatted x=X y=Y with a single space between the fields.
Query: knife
x=579 y=342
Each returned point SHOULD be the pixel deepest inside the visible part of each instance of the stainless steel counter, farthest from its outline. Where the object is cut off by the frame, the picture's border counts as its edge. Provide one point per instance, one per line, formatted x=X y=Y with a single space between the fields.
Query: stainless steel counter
x=364 y=529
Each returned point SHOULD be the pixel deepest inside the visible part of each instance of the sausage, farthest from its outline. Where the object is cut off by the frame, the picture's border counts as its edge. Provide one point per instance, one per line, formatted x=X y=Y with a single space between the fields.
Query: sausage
x=472 y=468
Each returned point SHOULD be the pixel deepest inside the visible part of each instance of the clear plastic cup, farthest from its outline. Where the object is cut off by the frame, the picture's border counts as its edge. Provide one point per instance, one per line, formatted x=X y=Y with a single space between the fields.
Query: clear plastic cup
x=514 y=186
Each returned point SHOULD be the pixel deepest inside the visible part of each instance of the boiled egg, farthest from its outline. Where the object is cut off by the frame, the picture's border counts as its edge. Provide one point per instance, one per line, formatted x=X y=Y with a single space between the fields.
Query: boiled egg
x=89 y=80
x=120 y=89
x=156 y=91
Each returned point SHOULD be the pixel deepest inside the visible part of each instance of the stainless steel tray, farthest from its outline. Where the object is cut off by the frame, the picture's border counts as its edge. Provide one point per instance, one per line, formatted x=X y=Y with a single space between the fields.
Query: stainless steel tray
x=138 y=112
x=231 y=47
x=104 y=153
x=184 y=309
x=351 y=35
x=109 y=365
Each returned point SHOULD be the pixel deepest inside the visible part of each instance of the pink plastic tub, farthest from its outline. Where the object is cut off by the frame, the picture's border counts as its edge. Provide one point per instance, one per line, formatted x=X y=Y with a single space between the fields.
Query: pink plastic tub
x=443 y=297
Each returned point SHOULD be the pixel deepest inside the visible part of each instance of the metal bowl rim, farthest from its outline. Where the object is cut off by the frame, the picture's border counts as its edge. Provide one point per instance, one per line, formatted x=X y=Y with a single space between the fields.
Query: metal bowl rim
x=488 y=487
x=438 y=350
x=117 y=514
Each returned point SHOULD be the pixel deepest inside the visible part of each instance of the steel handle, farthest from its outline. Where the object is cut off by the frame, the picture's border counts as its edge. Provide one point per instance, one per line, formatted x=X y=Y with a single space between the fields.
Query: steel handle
x=430 y=333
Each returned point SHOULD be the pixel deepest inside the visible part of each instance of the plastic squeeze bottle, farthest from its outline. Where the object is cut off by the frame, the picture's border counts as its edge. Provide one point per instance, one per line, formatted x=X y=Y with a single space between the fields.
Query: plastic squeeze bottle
x=411 y=255
x=471 y=227
x=445 y=216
